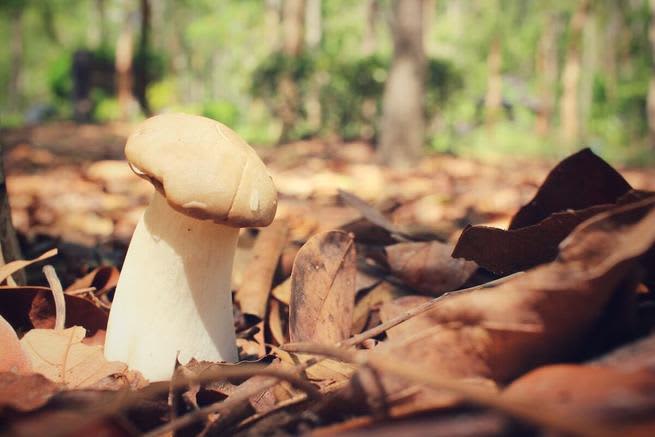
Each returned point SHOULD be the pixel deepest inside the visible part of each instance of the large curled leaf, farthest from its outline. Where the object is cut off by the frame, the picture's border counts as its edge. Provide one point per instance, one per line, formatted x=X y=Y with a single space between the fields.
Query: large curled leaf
x=323 y=289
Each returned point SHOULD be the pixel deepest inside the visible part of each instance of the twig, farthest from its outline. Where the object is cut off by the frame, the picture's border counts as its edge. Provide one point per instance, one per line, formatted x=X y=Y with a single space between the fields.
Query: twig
x=58 y=296
x=353 y=341
x=420 y=309
x=238 y=397
x=542 y=415
x=79 y=291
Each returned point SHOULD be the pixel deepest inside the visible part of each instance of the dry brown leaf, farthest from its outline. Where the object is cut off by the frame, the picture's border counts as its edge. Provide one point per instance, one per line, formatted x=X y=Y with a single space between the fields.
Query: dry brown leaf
x=63 y=358
x=253 y=294
x=25 y=392
x=578 y=182
x=323 y=289
x=14 y=266
x=428 y=267
x=282 y=291
x=540 y=316
x=276 y=324
x=371 y=301
x=620 y=400
x=102 y=279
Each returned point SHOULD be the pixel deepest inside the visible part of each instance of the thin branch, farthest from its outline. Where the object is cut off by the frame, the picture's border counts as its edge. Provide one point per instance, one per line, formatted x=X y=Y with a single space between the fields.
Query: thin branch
x=420 y=309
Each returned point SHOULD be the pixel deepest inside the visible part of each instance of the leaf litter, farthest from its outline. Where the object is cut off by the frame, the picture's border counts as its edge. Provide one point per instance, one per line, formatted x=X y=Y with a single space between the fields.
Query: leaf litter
x=375 y=320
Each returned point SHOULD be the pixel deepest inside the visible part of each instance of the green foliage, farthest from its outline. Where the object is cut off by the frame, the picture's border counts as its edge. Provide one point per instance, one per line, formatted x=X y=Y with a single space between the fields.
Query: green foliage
x=222 y=110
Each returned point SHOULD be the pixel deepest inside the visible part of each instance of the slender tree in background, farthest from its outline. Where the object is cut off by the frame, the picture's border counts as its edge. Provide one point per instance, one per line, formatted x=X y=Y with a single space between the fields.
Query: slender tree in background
x=547 y=66
x=124 y=67
x=569 y=104
x=272 y=20
x=141 y=78
x=293 y=35
x=313 y=36
x=651 y=88
x=493 y=99
x=403 y=118
x=369 y=42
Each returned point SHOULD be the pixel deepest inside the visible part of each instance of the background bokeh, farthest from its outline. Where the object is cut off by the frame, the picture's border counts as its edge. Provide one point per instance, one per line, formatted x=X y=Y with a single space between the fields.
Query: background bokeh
x=527 y=77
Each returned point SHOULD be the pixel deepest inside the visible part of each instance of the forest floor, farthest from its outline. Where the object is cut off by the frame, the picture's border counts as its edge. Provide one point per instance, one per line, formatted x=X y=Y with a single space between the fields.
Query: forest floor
x=70 y=189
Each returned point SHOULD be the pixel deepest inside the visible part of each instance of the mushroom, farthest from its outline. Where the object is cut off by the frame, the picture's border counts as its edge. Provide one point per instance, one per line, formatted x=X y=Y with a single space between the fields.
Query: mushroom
x=173 y=298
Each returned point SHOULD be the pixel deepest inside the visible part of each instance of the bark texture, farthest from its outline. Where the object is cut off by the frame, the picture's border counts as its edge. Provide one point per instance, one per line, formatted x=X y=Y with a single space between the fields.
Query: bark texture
x=403 y=118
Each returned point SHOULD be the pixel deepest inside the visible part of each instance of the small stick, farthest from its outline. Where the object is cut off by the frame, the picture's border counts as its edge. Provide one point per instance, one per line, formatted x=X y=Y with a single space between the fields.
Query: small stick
x=420 y=309
x=79 y=291
x=58 y=296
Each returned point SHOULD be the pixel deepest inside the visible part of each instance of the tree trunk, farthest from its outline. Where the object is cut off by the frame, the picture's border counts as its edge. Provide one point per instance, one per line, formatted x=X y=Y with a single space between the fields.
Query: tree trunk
x=141 y=77
x=403 y=117
x=101 y=11
x=547 y=74
x=493 y=100
x=124 y=68
x=313 y=24
x=9 y=249
x=15 y=85
x=293 y=34
x=651 y=88
x=272 y=20
x=569 y=107
x=369 y=43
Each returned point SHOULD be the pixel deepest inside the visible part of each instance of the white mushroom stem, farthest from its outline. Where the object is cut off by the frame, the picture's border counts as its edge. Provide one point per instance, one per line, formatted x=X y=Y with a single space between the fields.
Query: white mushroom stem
x=173 y=294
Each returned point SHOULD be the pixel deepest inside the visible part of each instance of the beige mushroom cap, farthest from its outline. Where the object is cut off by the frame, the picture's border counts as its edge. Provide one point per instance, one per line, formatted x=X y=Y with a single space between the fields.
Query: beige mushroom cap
x=204 y=169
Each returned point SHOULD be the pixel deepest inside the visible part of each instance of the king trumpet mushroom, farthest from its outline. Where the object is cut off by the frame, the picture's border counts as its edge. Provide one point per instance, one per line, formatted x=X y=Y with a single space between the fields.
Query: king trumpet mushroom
x=173 y=297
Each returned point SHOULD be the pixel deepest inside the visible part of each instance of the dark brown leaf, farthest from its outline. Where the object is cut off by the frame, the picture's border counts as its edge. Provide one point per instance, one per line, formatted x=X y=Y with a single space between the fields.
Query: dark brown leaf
x=79 y=312
x=578 y=182
x=506 y=252
x=323 y=289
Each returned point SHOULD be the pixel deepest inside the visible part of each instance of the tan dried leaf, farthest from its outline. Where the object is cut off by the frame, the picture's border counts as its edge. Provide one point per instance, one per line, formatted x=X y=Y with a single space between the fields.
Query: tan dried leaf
x=63 y=358
x=323 y=289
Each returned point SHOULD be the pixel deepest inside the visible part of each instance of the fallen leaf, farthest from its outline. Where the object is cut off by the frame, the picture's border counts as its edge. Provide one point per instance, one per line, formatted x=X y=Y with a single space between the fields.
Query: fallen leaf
x=323 y=289
x=14 y=266
x=13 y=358
x=578 y=182
x=371 y=215
x=428 y=267
x=277 y=324
x=505 y=252
x=103 y=278
x=541 y=316
x=623 y=402
x=25 y=392
x=79 y=312
x=63 y=358
x=252 y=296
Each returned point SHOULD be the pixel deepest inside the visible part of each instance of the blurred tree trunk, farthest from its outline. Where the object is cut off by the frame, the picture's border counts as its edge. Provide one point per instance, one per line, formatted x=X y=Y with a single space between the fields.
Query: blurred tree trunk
x=313 y=35
x=124 y=67
x=293 y=35
x=569 y=108
x=141 y=76
x=429 y=17
x=651 y=88
x=15 y=85
x=611 y=39
x=403 y=118
x=493 y=99
x=101 y=13
x=547 y=73
x=9 y=249
x=272 y=19
x=369 y=42
x=589 y=54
